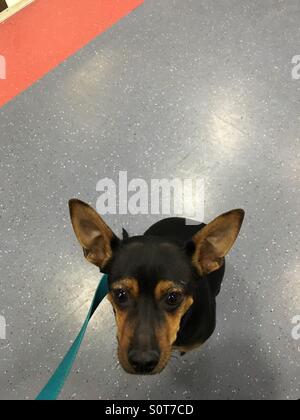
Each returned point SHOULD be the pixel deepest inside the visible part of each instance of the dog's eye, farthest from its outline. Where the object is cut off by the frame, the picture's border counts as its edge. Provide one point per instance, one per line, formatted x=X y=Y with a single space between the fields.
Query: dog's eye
x=173 y=299
x=121 y=296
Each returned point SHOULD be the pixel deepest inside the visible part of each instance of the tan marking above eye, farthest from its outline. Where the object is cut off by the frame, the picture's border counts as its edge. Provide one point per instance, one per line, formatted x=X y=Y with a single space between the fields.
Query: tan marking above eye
x=165 y=286
x=130 y=284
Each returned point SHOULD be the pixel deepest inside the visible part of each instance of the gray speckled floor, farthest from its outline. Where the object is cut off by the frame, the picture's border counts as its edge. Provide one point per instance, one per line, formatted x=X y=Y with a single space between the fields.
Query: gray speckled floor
x=178 y=88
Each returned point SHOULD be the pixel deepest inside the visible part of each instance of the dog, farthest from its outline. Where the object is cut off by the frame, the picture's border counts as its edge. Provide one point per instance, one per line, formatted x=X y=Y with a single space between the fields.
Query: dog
x=162 y=285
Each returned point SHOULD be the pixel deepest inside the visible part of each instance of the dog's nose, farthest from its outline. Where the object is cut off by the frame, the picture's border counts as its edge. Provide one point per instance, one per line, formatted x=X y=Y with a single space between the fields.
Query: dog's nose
x=143 y=361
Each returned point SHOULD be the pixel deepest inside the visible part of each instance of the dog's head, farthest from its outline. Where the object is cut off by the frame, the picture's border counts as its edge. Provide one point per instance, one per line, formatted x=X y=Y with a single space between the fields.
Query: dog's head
x=151 y=280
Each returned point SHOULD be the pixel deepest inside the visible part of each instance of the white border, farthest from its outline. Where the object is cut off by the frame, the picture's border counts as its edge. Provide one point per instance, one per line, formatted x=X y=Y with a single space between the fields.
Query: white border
x=14 y=9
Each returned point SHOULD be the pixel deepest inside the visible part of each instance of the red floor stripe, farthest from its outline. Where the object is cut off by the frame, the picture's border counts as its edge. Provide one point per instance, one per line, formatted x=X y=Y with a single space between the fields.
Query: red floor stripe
x=37 y=39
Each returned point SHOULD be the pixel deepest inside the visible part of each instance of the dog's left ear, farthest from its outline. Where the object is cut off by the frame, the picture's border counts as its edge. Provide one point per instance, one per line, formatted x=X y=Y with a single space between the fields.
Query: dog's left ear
x=215 y=240
x=93 y=234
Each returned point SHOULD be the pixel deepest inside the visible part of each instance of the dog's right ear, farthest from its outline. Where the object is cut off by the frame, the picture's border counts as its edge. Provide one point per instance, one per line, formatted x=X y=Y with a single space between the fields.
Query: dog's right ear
x=93 y=234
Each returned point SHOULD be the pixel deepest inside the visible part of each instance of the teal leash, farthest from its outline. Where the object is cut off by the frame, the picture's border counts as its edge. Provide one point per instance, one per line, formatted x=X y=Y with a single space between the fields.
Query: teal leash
x=55 y=385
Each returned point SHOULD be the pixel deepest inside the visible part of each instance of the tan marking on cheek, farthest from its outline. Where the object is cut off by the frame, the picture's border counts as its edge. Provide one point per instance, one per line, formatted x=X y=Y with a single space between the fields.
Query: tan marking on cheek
x=121 y=316
x=125 y=331
x=174 y=319
x=167 y=334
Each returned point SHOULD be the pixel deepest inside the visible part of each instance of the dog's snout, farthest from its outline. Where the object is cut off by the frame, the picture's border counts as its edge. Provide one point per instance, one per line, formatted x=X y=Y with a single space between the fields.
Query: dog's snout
x=143 y=362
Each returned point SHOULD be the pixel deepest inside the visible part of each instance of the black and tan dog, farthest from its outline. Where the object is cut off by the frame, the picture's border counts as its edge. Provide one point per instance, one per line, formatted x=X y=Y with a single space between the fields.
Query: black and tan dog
x=162 y=285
